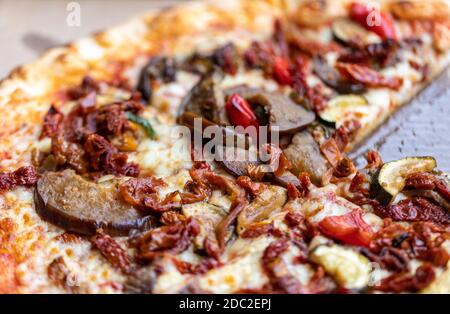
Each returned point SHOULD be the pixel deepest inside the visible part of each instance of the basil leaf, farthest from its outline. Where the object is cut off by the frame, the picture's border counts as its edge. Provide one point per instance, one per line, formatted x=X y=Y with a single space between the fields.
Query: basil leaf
x=143 y=123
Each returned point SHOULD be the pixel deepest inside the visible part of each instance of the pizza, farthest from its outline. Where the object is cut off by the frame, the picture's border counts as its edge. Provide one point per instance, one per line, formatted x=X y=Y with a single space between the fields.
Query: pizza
x=117 y=177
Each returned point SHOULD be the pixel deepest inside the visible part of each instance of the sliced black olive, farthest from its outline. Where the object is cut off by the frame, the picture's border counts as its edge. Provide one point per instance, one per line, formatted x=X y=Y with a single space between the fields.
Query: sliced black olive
x=77 y=205
x=332 y=78
x=206 y=99
x=158 y=68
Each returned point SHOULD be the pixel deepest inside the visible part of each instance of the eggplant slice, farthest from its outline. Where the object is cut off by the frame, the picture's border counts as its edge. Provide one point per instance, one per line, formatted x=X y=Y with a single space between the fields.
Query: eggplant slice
x=70 y=202
x=206 y=99
x=158 y=68
x=282 y=112
x=332 y=78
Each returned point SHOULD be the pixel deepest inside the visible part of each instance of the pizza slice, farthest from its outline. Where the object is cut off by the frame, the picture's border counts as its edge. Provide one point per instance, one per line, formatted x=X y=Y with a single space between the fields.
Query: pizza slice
x=104 y=187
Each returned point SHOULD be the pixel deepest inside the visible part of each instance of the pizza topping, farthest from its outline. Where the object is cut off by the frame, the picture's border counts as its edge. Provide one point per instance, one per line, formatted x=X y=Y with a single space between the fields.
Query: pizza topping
x=377 y=55
x=206 y=99
x=392 y=176
x=112 y=251
x=88 y=85
x=74 y=204
x=226 y=58
x=395 y=245
x=304 y=154
x=350 y=33
x=52 y=122
x=24 y=176
x=340 y=107
x=144 y=123
x=59 y=273
x=265 y=204
x=405 y=282
x=135 y=190
x=332 y=78
x=417 y=209
x=378 y=22
x=368 y=77
x=349 y=268
x=239 y=112
x=167 y=239
x=158 y=68
x=350 y=228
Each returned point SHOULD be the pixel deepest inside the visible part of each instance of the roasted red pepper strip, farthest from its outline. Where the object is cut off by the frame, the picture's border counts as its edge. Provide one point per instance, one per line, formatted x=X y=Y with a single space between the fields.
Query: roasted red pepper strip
x=240 y=113
x=365 y=15
x=350 y=228
x=281 y=71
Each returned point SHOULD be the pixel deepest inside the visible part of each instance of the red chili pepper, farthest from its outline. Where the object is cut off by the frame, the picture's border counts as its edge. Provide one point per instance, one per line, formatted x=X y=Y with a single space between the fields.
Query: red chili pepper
x=350 y=228
x=281 y=71
x=383 y=23
x=240 y=113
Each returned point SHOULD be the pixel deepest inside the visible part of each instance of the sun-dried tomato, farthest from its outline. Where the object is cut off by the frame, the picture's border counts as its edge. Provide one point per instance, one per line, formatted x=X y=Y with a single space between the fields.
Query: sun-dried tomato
x=24 y=176
x=88 y=85
x=417 y=209
x=396 y=244
x=310 y=47
x=374 y=160
x=406 y=282
x=344 y=168
x=172 y=239
x=226 y=58
x=373 y=55
x=258 y=229
x=113 y=252
x=371 y=78
x=134 y=190
x=52 y=122
x=427 y=181
x=251 y=187
x=278 y=161
x=104 y=157
x=331 y=151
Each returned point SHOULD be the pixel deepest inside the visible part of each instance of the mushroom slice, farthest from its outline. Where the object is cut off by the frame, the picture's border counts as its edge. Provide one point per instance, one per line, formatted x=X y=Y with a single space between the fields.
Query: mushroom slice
x=305 y=156
x=270 y=201
x=77 y=205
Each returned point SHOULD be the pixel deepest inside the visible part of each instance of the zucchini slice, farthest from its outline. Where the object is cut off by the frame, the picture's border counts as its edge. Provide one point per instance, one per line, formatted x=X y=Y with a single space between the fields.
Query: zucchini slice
x=349 y=268
x=393 y=174
x=347 y=32
x=339 y=106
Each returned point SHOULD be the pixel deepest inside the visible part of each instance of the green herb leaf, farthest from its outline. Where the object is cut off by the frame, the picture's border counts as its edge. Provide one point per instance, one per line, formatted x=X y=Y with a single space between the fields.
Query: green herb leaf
x=143 y=123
